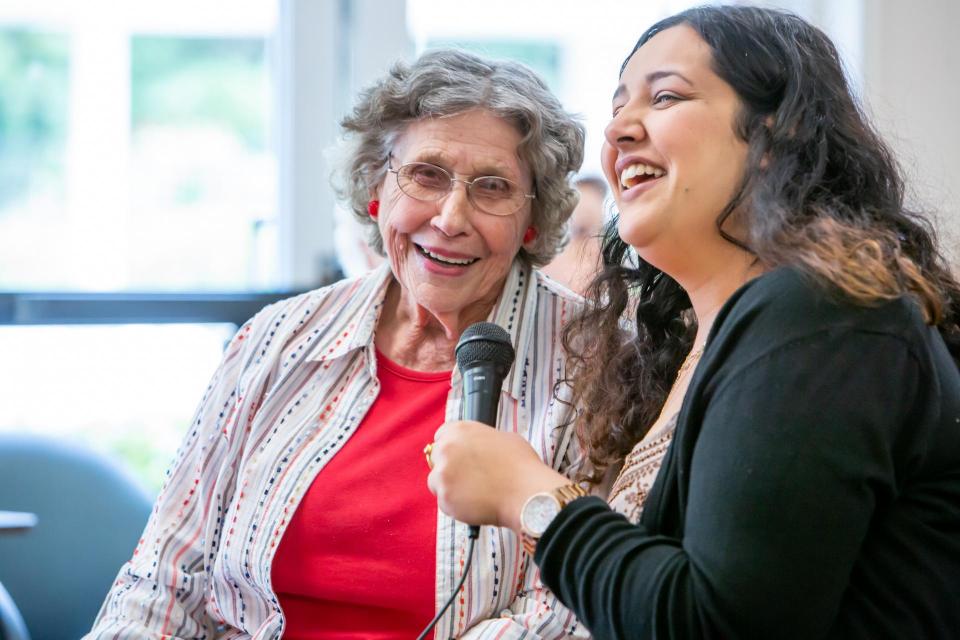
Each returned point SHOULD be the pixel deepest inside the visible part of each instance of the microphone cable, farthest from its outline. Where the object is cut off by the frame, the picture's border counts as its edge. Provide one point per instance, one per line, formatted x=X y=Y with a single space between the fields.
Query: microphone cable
x=474 y=534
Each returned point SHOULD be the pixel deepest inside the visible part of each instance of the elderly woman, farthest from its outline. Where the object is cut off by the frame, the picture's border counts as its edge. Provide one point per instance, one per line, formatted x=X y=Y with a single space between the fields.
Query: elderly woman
x=297 y=505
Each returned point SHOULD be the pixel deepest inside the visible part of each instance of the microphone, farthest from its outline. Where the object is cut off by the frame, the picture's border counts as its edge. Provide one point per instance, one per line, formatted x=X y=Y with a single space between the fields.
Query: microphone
x=484 y=356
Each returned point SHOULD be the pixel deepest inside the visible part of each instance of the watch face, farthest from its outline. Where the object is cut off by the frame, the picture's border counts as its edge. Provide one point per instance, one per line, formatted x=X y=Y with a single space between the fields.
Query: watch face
x=538 y=513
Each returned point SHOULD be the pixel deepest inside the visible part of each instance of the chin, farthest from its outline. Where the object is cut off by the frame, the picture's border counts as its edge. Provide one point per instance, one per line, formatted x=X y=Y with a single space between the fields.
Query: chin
x=634 y=235
x=440 y=302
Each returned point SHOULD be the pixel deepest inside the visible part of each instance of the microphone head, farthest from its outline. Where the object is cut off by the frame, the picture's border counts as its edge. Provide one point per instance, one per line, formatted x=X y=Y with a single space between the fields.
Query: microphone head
x=482 y=343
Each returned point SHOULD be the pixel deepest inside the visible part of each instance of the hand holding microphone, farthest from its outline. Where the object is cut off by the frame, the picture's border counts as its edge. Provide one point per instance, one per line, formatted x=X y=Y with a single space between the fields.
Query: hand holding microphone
x=484 y=357
x=481 y=475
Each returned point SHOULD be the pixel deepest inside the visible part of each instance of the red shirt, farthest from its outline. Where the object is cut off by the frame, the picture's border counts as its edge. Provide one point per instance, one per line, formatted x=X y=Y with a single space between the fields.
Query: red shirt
x=358 y=559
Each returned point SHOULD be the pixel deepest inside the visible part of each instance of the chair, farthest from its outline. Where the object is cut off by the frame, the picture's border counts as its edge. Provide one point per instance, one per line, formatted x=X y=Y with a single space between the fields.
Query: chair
x=90 y=516
x=12 y=626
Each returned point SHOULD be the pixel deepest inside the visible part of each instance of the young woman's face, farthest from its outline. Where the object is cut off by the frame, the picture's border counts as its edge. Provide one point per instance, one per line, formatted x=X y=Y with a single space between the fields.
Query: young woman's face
x=671 y=154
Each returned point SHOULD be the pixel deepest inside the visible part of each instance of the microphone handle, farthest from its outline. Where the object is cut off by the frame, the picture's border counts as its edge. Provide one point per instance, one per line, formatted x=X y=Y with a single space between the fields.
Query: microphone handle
x=481 y=397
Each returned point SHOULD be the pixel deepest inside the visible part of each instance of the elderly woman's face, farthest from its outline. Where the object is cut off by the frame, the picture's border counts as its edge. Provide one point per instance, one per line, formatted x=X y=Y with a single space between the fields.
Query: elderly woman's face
x=447 y=254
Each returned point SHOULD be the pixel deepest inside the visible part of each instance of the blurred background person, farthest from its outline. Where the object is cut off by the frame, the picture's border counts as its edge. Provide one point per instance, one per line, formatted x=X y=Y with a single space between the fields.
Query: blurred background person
x=355 y=256
x=579 y=262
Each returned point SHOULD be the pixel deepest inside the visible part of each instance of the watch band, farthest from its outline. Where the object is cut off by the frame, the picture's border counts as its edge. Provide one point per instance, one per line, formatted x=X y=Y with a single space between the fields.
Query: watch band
x=564 y=496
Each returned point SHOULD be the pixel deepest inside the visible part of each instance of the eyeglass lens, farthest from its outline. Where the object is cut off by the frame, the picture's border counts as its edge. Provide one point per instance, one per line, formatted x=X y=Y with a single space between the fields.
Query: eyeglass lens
x=492 y=194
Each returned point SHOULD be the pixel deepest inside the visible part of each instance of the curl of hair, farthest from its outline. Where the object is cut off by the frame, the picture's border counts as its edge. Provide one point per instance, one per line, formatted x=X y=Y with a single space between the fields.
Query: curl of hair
x=449 y=82
x=821 y=192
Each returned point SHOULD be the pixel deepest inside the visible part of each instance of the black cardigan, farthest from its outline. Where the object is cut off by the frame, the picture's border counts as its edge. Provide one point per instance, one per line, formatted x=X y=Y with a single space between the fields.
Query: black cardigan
x=812 y=489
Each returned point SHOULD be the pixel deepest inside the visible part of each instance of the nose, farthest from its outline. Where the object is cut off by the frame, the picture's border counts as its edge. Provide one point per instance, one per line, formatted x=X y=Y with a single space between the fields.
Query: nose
x=453 y=211
x=625 y=127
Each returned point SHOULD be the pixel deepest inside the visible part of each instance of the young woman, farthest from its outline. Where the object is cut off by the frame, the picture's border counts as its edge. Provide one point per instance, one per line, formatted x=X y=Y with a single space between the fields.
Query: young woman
x=796 y=361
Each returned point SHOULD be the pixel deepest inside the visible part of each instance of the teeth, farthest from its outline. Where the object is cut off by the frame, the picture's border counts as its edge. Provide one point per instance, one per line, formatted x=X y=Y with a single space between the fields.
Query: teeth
x=448 y=260
x=635 y=170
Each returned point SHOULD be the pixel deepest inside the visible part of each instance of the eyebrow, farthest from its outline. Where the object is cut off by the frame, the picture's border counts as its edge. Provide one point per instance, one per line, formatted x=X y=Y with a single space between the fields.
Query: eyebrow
x=651 y=78
x=443 y=161
x=657 y=75
x=432 y=157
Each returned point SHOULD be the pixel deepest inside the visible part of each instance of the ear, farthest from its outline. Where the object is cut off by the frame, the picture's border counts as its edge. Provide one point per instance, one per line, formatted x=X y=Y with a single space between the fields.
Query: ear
x=529 y=236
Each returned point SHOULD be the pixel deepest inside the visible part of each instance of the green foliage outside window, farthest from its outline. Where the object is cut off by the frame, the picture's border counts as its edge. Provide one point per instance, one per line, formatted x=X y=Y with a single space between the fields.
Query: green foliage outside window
x=177 y=80
x=34 y=74
x=542 y=56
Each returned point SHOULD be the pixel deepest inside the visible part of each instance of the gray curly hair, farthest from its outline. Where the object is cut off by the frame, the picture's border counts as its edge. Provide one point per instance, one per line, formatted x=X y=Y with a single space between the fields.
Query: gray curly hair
x=448 y=82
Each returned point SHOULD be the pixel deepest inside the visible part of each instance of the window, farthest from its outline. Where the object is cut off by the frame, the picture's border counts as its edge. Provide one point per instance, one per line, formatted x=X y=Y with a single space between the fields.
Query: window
x=136 y=154
x=203 y=178
x=34 y=76
x=127 y=390
x=128 y=138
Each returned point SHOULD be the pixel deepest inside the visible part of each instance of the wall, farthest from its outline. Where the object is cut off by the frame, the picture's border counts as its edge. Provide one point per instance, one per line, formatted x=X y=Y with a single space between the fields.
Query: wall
x=911 y=86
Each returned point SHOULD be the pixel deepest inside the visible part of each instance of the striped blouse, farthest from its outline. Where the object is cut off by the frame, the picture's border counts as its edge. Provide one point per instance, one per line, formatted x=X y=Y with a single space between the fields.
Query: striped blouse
x=293 y=385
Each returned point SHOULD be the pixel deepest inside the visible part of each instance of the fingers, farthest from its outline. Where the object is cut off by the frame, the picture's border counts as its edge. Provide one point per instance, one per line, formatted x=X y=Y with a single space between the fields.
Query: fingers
x=455 y=428
x=454 y=476
x=445 y=485
x=433 y=480
x=479 y=473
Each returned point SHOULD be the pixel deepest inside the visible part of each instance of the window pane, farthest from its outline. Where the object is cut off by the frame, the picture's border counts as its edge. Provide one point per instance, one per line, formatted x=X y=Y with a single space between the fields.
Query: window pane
x=34 y=70
x=543 y=56
x=127 y=390
x=136 y=162
x=203 y=179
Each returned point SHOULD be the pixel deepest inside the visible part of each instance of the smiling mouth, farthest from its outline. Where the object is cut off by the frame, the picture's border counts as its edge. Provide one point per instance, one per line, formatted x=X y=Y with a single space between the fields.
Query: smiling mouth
x=639 y=173
x=445 y=261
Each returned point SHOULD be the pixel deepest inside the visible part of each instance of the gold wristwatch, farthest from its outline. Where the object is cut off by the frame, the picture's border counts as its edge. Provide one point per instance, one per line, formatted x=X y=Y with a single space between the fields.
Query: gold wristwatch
x=541 y=508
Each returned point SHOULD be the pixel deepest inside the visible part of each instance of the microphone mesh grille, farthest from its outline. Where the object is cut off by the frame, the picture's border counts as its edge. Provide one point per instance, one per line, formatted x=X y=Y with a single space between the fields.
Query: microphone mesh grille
x=484 y=342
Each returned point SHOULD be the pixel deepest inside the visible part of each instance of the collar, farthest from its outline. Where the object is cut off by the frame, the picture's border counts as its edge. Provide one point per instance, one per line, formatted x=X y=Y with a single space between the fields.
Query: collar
x=514 y=311
x=353 y=328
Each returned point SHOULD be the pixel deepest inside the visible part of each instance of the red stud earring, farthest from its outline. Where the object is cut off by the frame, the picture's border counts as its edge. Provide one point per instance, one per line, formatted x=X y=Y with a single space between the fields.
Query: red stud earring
x=373 y=208
x=529 y=235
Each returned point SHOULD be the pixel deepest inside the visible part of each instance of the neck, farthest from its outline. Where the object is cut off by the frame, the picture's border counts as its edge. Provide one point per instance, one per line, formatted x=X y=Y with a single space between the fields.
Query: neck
x=710 y=289
x=420 y=338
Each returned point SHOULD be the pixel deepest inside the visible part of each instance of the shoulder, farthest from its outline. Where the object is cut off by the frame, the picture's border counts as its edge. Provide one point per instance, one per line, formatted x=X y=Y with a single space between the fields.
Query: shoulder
x=553 y=295
x=555 y=307
x=787 y=311
x=552 y=287
x=787 y=304
x=535 y=310
x=345 y=303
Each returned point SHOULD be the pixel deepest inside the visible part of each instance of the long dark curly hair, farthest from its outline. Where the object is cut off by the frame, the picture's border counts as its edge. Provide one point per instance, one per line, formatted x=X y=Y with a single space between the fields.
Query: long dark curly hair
x=821 y=191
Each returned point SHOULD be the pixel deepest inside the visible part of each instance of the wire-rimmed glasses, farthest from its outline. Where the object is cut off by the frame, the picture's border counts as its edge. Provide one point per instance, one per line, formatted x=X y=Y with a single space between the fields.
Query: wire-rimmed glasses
x=491 y=194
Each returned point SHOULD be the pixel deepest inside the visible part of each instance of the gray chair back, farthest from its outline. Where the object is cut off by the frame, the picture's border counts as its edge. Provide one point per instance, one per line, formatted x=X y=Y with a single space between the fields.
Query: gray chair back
x=90 y=516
